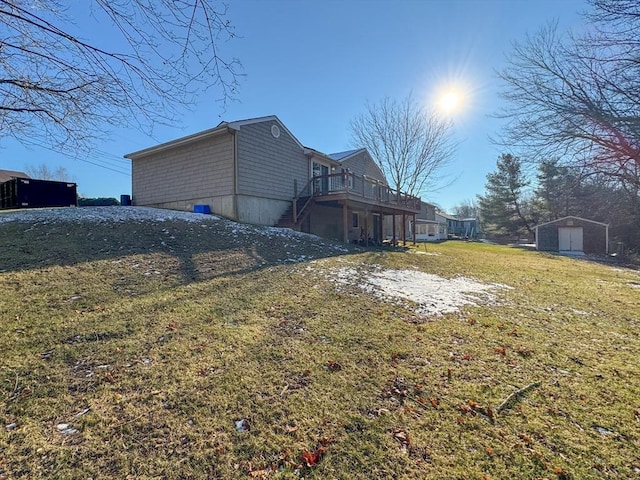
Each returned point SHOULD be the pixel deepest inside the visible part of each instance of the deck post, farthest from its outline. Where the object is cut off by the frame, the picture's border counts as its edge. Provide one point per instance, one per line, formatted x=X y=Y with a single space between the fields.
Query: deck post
x=393 y=217
x=404 y=230
x=366 y=228
x=294 y=209
x=345 y=222
x=414 y=230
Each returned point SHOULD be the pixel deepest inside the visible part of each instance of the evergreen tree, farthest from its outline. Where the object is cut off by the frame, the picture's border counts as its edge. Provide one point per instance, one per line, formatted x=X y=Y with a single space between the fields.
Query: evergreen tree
x=558 y=187
x=505 y=209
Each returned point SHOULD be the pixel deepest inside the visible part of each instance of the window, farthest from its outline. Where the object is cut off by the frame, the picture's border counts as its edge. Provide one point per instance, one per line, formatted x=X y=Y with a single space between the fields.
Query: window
x=355 y=220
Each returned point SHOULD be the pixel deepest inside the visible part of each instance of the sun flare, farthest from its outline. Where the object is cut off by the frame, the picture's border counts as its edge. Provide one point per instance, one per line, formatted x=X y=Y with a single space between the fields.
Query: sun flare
x=450 y=102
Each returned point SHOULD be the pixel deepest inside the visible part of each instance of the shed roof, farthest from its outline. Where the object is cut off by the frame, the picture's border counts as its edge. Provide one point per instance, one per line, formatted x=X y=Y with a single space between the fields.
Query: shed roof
x=573 y=217
x=6 y=175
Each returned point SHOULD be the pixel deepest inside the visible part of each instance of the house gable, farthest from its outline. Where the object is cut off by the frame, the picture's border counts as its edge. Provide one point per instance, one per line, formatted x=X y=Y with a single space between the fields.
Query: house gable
x=268 y=164
x=360 y=162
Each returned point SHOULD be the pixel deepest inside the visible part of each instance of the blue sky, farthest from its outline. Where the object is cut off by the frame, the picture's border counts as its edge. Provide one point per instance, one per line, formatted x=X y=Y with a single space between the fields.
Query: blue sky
x=315 y=64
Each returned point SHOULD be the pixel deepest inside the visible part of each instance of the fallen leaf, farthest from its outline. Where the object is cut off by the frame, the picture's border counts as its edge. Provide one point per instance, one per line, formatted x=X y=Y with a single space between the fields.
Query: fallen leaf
x=333 y=366
x=434 y=402
x=490 y=413
x=500 y=350
x=464 y=409
x=526 y=438
x=172 y=326
x=312 y=458
x=471 y=321
x=524 y=351
x=259 y=473
x=402 y=436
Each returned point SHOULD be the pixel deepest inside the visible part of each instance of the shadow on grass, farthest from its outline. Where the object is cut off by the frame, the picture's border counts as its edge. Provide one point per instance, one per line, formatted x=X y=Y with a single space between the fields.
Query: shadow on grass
x=198 y=250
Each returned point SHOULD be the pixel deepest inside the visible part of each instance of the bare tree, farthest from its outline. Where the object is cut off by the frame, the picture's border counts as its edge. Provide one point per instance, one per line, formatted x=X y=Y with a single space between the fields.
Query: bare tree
x=43 y=172
x=577 y=98
x=410 y=143
x=60 y=90
x=466 y=209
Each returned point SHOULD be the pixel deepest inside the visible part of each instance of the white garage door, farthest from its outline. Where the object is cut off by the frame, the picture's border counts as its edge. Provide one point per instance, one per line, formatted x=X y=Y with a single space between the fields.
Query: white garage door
x=570 y=239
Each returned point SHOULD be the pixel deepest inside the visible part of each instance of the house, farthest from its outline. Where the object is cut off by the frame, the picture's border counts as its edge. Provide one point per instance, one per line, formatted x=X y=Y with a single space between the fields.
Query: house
x=574 y=235
x=256 y=171
x=458 y=227
x=429 y=225
x=6 y=175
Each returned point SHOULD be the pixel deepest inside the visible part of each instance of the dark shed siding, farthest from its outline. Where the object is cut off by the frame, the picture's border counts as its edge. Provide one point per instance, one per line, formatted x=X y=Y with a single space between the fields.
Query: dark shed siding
x=594 y=235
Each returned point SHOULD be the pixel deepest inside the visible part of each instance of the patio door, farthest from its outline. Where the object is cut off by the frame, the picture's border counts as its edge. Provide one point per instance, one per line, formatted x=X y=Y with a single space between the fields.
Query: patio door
x=376 y=228
x=320 y=185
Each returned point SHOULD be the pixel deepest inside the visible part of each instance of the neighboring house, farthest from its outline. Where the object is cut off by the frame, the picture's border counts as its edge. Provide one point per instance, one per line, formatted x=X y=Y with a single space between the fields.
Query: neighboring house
x=458 y=227
x=429 y=225
x=574 y=235
x=256 y=171
x=6 y=175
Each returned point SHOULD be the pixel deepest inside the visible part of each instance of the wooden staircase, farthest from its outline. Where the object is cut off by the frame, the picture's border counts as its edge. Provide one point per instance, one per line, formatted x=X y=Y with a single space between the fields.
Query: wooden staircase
x=287 y=220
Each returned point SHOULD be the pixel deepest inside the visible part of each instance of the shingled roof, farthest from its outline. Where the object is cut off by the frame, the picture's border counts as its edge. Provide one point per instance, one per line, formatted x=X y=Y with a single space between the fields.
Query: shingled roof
x=6 y=175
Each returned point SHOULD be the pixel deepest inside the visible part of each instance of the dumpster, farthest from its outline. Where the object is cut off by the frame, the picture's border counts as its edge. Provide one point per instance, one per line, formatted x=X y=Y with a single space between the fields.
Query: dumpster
x=33 y=193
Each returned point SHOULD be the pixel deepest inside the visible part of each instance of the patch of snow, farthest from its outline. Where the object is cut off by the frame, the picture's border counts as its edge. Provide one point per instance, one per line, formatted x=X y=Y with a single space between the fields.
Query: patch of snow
x=100 y=215
x=425 y=293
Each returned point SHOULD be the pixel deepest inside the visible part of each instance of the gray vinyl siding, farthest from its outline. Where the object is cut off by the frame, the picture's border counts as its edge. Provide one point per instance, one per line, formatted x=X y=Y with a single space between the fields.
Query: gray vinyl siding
x=427 y=212
x=267 y=166
x=198 y=172
x=362 y=164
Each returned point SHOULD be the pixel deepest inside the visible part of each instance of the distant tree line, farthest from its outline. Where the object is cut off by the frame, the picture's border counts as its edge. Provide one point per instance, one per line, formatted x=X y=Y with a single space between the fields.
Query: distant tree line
x=514 y=203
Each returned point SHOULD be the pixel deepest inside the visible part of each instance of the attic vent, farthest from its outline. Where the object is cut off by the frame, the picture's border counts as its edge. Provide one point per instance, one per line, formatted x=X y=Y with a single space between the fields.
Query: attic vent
x=275 y=131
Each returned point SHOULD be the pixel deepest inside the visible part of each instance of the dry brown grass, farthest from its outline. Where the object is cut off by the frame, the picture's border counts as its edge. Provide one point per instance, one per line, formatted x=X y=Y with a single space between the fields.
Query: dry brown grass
x=154 y=353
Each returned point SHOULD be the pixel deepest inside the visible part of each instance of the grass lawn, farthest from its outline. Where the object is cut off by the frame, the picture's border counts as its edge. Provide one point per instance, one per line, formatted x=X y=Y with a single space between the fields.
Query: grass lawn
x=170 y=351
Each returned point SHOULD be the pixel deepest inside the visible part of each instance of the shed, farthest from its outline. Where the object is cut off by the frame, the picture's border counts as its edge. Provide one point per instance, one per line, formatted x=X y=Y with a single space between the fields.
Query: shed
x=574 y=235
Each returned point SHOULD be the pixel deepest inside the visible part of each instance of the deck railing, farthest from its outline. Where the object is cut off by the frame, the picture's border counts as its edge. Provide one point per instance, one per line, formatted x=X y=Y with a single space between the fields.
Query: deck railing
x=351 y=184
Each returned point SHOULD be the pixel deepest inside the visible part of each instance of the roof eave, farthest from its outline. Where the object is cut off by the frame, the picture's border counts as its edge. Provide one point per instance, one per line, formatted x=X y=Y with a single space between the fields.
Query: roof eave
x=572 y=216
x=213 y=132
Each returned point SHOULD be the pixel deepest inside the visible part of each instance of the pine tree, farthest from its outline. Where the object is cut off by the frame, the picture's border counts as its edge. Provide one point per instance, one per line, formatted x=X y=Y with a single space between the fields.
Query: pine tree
x=557 y=191
x=505 y=209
